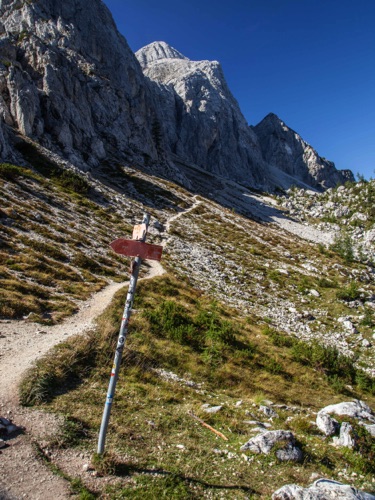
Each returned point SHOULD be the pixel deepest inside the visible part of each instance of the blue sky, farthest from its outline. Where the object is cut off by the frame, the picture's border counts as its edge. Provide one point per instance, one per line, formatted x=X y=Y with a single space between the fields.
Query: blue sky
x=312 y=62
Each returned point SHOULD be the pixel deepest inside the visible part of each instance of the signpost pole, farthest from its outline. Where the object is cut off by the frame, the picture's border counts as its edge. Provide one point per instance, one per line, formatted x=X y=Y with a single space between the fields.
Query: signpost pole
x=121 y=341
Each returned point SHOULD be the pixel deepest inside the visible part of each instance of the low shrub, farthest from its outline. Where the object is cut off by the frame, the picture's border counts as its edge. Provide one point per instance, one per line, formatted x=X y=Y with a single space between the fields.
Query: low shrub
x=205 y=331
x=339 y=369
x=343 y=246
x=278 y=339
x=11 y=172
x=349 y=293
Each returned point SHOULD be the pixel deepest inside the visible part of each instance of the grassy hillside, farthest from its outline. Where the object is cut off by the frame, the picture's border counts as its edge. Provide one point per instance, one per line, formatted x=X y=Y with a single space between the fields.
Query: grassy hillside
x=220 y=358
x=247 y=314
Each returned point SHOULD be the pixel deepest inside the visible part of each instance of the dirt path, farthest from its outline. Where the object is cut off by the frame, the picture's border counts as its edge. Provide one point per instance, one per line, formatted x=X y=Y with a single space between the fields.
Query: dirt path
x=22 y=475
x=180 y=214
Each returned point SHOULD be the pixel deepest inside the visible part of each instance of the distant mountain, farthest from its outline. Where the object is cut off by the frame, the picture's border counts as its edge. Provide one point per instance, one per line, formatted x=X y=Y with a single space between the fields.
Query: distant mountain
x=284 y=149
x=69 y=81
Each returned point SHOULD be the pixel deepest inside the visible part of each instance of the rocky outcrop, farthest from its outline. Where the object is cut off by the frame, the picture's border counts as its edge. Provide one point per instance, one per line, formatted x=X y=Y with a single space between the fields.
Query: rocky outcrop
x=69 y=80
x=283 y=442
x=326 y=424
x=354 y=409
x=285 y=150
x=200 y=116
x=357 y=410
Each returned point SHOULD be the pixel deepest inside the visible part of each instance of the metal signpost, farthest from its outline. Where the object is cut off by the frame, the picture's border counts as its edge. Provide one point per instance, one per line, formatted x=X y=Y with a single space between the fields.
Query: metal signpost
x=140 y=250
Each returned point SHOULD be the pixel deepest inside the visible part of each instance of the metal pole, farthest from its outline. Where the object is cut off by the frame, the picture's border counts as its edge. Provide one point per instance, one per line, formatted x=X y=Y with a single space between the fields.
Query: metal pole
x=120 y=343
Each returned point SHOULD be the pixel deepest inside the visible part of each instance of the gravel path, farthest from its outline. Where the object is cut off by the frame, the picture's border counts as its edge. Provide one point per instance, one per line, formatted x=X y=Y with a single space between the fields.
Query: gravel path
x=265 y=208
x=22 y=475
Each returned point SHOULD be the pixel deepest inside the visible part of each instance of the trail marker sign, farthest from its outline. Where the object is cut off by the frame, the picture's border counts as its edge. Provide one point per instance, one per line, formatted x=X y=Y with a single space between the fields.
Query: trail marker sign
x=134 y=248
x=139 y=232
x=140 y=250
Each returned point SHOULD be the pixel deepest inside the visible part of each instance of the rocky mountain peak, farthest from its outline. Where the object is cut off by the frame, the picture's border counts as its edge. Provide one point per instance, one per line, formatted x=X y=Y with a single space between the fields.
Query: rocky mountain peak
x=199 y=115
x=157 y=51
x=285 y=150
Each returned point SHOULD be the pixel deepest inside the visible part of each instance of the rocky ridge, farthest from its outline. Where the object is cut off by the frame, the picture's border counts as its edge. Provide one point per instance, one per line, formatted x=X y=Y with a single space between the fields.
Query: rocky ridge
x=284 y=149
x=347 y=211
x=71 y=83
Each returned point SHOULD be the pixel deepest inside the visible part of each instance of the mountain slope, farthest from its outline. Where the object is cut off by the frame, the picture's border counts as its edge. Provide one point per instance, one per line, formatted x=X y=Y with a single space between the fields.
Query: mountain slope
x=222 y=328
x=69 y=80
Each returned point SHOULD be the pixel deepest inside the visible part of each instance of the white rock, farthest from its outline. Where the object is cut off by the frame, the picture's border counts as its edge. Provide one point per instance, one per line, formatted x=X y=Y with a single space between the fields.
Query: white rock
x=348 y=325
x=268 y=411
x=213 y=409
x=326 y=423
x=346 y=437
x=355 y=409
x=370 y=428
x=265 y=442
x=322 y=489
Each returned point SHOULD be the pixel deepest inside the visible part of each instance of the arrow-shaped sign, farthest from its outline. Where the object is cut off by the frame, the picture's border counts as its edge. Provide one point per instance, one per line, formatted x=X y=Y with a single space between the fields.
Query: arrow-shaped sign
x=134 y=248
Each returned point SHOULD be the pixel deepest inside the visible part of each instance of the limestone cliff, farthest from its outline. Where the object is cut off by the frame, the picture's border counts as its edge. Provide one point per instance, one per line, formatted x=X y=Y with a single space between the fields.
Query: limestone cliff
x=200 y=116
x=287 y=151
x=69 y=80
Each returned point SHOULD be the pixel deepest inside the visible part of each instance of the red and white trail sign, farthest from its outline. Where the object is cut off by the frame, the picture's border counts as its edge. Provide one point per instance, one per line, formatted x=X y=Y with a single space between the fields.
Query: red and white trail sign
x=134 y=248
x=140 y=250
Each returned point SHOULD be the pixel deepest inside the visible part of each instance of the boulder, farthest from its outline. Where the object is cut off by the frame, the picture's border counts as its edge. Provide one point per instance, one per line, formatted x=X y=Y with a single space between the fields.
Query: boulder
x=268 y=440
x=347 y=436
x=322 y=489
x=355 y=409
x=328 y=425
x=269 y=412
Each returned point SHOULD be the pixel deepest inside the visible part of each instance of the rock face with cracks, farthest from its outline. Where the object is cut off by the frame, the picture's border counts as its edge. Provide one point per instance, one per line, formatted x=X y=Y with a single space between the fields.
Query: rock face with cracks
x=202 y=119
x=69 y=80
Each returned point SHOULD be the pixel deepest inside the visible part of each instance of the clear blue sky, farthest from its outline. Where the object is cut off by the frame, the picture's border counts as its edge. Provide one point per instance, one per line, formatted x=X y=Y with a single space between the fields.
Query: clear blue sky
x=312 y=62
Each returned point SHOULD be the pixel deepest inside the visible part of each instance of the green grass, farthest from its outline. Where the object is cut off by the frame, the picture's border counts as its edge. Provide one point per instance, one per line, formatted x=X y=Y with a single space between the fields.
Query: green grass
x=13 y=172
x=152 y=439
x=54 y=251
x=66 y=179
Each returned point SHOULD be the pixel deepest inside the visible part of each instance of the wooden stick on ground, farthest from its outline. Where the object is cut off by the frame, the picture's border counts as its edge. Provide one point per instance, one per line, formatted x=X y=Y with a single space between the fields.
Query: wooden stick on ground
x=208 y=426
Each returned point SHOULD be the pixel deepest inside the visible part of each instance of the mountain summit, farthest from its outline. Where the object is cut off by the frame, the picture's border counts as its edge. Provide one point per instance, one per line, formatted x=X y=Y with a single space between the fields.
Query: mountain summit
x=199 y=115
x=157 y=51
